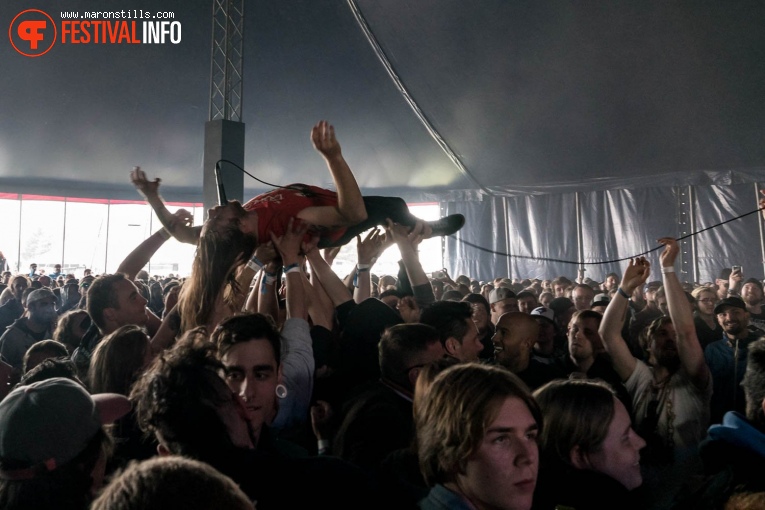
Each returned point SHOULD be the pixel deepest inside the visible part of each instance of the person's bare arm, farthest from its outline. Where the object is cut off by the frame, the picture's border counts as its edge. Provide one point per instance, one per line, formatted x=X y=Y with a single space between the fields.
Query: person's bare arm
x=165 y=336
x=407 y=240
x=268 y=301
x=331 y=253
x=335 y=288
x=150 y=191
x=368 y=251
x=688 y=346
x=613 y=319
x=140 y=256
x=350 y=209
x=288 y=247
x=320 y=307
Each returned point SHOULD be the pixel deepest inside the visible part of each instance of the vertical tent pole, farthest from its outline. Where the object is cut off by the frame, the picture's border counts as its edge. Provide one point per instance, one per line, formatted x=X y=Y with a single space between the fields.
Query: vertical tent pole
x=108 y=225
x=579 y=240
x=506 y=217
x=18 y=254
x=63 y=235
x=759 y=223
x=694 y=246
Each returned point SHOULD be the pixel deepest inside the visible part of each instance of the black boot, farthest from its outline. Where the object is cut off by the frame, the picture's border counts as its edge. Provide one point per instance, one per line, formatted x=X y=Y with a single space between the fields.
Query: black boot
x=447 y=225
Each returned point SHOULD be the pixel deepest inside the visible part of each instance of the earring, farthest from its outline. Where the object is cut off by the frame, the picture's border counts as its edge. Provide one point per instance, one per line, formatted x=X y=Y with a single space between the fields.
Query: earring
x=281 y=391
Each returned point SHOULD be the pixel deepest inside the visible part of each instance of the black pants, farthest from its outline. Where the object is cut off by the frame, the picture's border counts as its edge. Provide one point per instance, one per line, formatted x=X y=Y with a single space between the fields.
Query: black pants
x=378 y=210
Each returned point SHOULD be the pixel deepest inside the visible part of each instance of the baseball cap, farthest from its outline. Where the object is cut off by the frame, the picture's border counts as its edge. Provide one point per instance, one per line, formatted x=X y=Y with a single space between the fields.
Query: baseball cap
x=733 y=301
x=544 y=313
x=601 y=300
x=47 y=424
x=526 y=293
x=560 y=305
x=40 y=295
x=499 y=294
x=754 y=281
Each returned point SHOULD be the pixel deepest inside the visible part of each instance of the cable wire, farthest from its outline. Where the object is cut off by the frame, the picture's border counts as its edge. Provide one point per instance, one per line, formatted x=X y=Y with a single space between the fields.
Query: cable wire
x=561 y=261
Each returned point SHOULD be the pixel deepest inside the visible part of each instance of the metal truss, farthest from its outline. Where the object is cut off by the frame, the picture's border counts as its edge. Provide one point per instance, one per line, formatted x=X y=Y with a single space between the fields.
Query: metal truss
x=227 y=60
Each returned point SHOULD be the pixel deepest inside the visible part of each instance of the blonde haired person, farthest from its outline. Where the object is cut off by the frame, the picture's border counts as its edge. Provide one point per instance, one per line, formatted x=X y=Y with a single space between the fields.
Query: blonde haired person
x=477 y=440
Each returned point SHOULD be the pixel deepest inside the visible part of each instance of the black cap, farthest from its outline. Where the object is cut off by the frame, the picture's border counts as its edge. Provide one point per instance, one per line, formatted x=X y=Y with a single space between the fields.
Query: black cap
x=733 y=301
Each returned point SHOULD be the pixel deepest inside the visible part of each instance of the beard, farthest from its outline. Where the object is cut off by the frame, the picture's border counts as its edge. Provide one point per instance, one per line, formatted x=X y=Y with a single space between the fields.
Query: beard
x=42 y=317
x=669 y=360
x=733 y=329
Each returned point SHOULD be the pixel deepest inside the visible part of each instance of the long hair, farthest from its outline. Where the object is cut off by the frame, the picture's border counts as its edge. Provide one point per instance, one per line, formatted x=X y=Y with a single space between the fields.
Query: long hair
x=219 y=253
x=66 y=323
x=118 y=360
x=576 y=413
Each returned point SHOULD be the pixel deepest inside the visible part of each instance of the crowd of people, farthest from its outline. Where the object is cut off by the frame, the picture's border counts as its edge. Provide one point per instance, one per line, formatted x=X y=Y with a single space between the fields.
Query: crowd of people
x=264 y=380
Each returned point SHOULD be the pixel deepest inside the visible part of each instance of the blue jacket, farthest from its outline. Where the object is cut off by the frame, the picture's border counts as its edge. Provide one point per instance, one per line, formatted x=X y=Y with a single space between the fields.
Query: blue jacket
x=727 y=364
x=734 y=460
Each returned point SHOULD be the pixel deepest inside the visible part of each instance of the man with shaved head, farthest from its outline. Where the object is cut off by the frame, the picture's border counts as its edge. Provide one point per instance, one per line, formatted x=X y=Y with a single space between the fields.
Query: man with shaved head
x=516 y=334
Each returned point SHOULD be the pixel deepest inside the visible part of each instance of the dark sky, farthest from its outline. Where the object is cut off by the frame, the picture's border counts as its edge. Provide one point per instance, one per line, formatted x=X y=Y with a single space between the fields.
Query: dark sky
x=527 y=94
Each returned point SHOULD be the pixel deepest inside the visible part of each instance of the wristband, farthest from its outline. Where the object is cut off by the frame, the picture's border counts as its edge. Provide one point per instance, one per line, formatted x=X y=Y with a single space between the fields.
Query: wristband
x=268 y=279
x=255 y=264
x=665 y=270
x=165 y=234
x=323 y=446
x=360 y=268
x=622 y=293
x=292 y=268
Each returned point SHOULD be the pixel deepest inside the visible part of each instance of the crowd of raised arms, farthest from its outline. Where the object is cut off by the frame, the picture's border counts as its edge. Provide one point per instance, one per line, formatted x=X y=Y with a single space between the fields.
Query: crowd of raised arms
x=263 y=380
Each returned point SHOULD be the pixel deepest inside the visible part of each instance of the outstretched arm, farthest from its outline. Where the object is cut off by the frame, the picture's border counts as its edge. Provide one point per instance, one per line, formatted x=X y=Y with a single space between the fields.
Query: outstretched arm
x=368 y=251
x=335 y=288
x=150 y=191
x=688 y=346
x=288 y=247
x=139 y=257
x=350 y=208
x=407 y=240
x=613 y=319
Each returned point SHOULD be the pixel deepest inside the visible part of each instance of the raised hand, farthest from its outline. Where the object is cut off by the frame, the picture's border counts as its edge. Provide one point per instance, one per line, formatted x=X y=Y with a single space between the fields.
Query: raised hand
x=266 y=252
x=289 y=244
x=324 y=141
x=371 y=247
x=671 y=249
x=182 y=217
x=635 y=274
x=329 y=253
x=735 y=279
x=409 y=310
x=410 y=235
x=144 y=186
x=310 y=246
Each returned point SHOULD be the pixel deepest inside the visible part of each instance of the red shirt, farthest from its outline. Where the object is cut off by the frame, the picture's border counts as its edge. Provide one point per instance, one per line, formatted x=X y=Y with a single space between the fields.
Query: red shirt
x=276 y=207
